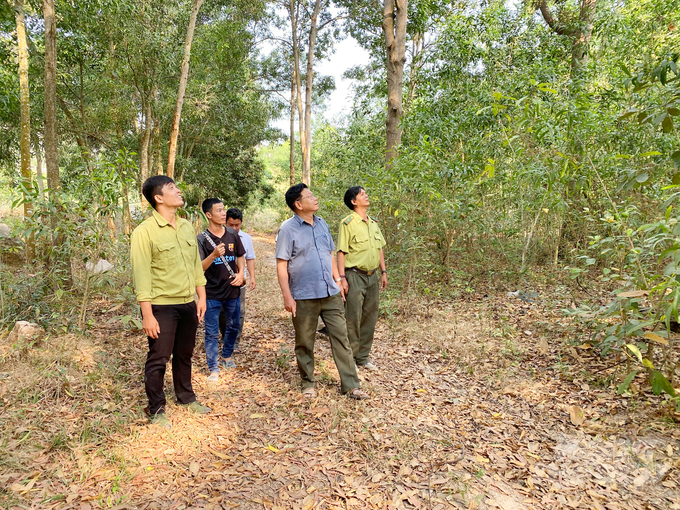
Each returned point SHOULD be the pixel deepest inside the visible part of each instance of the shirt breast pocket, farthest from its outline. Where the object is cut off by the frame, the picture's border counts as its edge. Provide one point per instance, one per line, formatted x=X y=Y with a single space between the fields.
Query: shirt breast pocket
x=360 y=241
x=164 y=254
x=189 y=248
x=323 y=242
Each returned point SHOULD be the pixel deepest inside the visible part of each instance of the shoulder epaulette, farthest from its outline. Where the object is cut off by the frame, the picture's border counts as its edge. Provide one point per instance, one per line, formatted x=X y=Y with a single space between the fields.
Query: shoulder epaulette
x=348 y=220
x=373 y=219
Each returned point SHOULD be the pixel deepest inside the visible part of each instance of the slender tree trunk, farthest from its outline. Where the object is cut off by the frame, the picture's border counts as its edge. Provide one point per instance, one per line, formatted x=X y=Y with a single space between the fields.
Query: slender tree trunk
x=174 y=133
x=25 y=115
x=38 y=164
x=25 y=109
x=292 y=130
x=50 y=138
x=394 y=28
x=309 y=80
x=144 y=143
x=297 y=78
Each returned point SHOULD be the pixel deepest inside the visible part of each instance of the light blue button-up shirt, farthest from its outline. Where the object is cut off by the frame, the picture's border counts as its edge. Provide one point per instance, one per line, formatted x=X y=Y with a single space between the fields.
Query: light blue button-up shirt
x=308 y=250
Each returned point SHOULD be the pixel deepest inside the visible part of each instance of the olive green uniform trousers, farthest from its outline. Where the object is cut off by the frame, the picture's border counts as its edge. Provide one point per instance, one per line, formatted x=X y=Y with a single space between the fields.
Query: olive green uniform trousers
x=361 y=312
x=305 y=320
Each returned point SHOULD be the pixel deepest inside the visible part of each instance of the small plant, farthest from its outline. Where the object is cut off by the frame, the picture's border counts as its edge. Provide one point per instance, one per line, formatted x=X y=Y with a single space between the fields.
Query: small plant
x=282 y=357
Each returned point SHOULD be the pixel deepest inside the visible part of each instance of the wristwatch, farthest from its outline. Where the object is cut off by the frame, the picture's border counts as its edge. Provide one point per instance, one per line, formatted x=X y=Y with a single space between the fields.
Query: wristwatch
x=336 y=281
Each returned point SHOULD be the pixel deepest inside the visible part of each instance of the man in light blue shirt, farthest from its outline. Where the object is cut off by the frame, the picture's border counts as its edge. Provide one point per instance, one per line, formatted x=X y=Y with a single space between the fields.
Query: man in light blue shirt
x=309 y=278
x=235 y=221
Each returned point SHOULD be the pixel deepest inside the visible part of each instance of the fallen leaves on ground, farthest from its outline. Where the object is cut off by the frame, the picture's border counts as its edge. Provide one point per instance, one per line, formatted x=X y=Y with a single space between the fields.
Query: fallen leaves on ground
x=463 y=414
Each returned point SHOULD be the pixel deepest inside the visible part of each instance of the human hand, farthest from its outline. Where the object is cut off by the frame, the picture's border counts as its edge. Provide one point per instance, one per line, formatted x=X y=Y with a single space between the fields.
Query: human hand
x=200 y=308
x=383 y=281
x=238 y=280
x=218 y=251
x=344 y=285
x=289 y=304
x=150 y=326
x=253 y=283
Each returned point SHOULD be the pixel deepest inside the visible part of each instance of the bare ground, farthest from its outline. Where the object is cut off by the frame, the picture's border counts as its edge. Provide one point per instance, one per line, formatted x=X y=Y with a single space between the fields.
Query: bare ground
x=479 y=403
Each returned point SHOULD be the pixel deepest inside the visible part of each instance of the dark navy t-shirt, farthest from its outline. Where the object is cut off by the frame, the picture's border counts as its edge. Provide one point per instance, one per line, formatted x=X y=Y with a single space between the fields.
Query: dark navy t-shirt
x=218 y=277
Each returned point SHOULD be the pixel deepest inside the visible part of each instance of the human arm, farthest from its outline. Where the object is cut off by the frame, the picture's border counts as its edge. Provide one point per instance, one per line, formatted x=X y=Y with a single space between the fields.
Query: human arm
x=250 y=263
x=383 y=278
x=344 y=284
x=239 y=278
x=201 y=305
x=282 y=274
x=336 y=276
x=217 y=252
x=149 y=322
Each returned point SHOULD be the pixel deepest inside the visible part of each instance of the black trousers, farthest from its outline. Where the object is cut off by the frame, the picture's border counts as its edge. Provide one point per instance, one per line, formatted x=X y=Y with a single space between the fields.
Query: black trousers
x=178 y=325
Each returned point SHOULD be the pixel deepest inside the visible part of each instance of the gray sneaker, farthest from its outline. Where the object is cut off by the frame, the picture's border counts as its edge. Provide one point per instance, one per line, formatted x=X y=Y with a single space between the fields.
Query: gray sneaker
x=227 y=364
x=214 y=377
x=198 y=408
x=160 y=420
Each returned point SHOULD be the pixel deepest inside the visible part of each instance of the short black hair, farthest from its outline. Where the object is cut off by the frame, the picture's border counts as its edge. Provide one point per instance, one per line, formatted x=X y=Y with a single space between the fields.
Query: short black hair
x=154 y=186
x=208 y=203
x=294 y=193
x=351 y=194
x=235 y=213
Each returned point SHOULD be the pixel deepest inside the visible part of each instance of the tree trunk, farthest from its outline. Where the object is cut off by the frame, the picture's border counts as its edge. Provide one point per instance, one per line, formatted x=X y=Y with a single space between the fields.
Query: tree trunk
x=579 y=50
x=309 y=79
x=25 y=115
x=292 y=130
x=174 y=133
x=38 y=164
x=394 y=28
x=579 y=33
x=144 y=144
x=25 y=109
x=297 y=78
x=50 y=137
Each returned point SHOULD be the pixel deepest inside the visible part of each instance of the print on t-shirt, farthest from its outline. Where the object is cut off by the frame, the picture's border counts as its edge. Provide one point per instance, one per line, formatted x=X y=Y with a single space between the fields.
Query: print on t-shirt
x=218 y=286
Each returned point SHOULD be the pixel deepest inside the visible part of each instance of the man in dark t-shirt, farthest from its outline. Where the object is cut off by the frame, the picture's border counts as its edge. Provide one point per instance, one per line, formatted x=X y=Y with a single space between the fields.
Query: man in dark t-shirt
x=222 y=256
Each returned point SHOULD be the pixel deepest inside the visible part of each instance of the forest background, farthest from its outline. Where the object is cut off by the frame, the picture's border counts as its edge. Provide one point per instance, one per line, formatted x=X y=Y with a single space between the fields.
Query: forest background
x=505 y=145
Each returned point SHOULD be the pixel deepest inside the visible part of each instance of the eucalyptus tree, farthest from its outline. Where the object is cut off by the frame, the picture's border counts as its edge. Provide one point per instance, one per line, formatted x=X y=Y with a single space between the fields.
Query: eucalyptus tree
x=24 y=98
x=50 y=87
x=174 y=132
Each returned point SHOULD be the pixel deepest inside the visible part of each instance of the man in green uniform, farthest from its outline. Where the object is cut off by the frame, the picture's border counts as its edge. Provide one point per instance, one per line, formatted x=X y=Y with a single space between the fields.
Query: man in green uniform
x=166 y=271
x=361 y=263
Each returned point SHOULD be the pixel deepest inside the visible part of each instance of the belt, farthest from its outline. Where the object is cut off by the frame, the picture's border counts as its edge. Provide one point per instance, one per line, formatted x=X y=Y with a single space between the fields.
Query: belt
x=361 y=271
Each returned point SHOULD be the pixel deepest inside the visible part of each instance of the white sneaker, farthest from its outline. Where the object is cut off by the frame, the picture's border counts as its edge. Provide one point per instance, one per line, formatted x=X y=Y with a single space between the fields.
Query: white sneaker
x=214 y=377
x=369 y=366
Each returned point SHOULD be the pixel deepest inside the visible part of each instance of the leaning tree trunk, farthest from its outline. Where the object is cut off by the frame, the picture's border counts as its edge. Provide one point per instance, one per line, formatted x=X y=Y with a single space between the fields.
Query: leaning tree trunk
x=174 y=133
x=25 y=114
x=394 y=28
x=309 y=80
x=292 y=130
x=50 y=137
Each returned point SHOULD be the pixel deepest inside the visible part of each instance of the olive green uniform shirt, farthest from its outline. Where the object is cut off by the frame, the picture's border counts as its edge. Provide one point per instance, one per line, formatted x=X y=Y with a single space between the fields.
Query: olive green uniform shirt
x=166 y=267
x=361 y=242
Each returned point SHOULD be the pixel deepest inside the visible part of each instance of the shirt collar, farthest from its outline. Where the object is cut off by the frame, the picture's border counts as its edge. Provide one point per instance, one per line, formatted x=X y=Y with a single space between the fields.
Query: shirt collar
x=162 y=222
x=359 y=218
x=300 y=221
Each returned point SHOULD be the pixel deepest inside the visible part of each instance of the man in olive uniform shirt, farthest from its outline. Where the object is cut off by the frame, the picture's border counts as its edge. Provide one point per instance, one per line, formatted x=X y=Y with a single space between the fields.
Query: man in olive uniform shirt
x=361 y=263
x=166 y=271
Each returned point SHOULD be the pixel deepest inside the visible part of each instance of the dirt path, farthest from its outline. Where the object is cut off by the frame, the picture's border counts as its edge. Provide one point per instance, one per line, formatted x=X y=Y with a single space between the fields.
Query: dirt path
x=460 y=417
